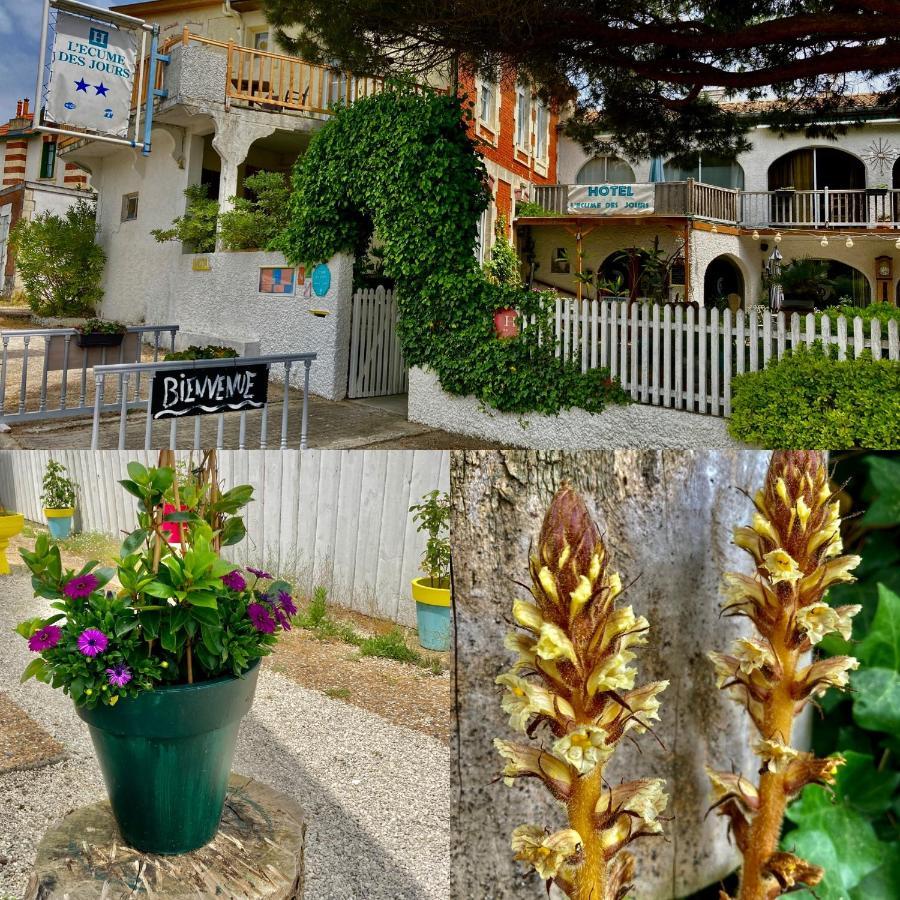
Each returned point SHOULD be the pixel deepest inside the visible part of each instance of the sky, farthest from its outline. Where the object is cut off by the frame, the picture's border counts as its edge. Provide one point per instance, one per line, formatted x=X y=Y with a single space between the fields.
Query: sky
x=20 y=23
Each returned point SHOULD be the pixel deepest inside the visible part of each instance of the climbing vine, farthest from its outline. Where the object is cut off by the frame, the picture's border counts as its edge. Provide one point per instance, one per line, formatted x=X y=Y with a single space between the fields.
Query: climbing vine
x=401 y=164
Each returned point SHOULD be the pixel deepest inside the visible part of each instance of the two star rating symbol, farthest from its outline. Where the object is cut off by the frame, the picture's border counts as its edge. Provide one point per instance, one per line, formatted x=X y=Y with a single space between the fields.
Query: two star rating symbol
x=82 y=85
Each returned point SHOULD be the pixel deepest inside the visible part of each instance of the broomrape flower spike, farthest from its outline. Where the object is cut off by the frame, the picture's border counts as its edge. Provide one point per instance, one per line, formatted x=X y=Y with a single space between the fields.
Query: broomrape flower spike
x=796 y=546
x=571 y=690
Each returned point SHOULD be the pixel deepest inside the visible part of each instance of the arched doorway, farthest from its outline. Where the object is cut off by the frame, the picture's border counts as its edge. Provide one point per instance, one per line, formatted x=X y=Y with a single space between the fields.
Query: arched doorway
x=723 y=284
x=795 y=175
x=810 y=284
x=605 y=170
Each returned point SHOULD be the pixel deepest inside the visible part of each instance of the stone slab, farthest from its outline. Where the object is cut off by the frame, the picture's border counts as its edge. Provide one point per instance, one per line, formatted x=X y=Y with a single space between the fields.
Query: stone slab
x=257 y=854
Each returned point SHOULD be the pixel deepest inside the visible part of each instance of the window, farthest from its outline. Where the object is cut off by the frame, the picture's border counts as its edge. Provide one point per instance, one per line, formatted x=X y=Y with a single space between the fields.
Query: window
x=709 y=169
x=480 y=236
x=523 y=116
x=487 y=101
x=129 y=207
x=261 y=40
x=605 y=170
x=541 y=125
x=559 y=262
x=48 y=159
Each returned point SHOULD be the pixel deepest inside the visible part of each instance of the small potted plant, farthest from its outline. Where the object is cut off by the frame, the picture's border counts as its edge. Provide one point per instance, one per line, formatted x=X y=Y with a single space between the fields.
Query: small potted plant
x=432 y=593
x=100 y=333
x=11 y=523
x=163 y=670
x=58 y=499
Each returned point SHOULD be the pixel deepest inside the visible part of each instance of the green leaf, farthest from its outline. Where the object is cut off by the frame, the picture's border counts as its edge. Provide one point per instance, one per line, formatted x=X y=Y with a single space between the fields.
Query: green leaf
x=833 y=836
x=134 y=541
x=206 y=616
x=162 y=478
x=861 y=786
x=876 y=704
x=212 y=638
x=158 y=589
x=233 y=532
x=884 y=882
x=138 y=473
x=884 y=472
x=203 y=599
x=881 y=646
x=132 y=488
x=168 y=639
x=37 y=668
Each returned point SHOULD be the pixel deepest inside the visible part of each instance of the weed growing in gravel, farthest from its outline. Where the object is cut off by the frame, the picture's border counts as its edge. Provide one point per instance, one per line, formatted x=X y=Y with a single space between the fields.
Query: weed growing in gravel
x=339 y=693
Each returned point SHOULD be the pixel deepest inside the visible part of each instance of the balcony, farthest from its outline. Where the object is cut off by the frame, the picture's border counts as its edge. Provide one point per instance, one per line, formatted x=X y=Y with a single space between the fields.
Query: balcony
x=784 y=209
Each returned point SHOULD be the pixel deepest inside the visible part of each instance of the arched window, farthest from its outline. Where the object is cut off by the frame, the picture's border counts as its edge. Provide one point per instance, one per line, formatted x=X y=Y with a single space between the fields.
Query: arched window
x=605 y=170
x=709 y=169
x=815 y=168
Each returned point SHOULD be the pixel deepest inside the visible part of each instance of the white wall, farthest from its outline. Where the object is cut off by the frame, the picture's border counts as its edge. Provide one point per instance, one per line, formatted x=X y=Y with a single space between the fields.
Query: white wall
x=331 y=517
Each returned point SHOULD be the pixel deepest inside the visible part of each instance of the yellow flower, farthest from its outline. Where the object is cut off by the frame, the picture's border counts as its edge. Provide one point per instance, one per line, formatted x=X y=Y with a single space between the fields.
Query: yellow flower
x=726 y=667
x=732 y=785
x=523 y=699
x=524 y=761
x=580 y=596
x=643 y=800
x=548 y=583
x=819 y=619
x=522 y=644
x=615 y=585
x=835 y=571
x=554 y=643
x=835 y=671
x=612 y=674
x=545 y=852
x=752 y=654
x=584 y=748
x=764 y=528
x=776 y=756
x=527 y=615
x=803 y=511
x=782 y=567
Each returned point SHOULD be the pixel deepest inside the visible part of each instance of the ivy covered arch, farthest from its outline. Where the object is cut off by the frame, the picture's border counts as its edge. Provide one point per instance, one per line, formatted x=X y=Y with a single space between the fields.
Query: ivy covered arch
x=401 y=163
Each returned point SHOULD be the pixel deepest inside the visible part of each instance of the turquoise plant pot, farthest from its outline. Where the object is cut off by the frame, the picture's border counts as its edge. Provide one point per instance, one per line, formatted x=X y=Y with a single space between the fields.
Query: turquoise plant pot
x=166 y=756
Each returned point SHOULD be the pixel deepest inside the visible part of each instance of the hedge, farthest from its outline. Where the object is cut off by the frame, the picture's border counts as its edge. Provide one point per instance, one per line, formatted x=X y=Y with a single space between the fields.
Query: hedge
x=810 y=400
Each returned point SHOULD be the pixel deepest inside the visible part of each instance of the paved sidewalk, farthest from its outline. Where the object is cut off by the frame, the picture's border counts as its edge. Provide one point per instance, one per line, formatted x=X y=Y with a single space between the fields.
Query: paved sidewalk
x=377 y=795
x=378 y=423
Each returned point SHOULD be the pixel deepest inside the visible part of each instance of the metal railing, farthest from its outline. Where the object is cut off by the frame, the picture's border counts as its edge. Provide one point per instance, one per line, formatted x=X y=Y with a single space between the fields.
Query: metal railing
x=123 y=373
x=44 y=363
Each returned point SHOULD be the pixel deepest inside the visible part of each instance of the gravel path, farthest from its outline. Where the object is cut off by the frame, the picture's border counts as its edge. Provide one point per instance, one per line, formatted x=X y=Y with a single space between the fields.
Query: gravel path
x=377 y=796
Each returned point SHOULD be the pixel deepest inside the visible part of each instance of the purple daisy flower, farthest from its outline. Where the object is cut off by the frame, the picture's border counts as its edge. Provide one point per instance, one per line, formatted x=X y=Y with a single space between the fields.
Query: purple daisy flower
x=81 y=586
x=259 y=573
x=234 y=581
x=286 y=602
x=282 y=619
x=45 y=638
x=119 y=675
x=261 y=618
x=92 y=642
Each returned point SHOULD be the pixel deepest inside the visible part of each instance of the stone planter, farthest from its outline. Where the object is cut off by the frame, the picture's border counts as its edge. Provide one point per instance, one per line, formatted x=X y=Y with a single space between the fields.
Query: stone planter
x=166 y=757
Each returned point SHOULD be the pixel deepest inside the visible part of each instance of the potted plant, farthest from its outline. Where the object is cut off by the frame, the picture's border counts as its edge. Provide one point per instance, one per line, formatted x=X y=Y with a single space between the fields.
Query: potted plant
x=163 y=670
x=432 y=593
x=58 y=499
x=100 y=333
x=11 y=523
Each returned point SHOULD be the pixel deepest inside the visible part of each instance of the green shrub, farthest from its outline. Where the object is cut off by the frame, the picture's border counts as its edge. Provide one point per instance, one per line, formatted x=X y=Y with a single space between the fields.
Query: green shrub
x=212 y=351
x=503 y=265
x=884 y=312
x=59 y=262
x=530 y=208
x=256 y=222
x=196 y=229
x=811 y=400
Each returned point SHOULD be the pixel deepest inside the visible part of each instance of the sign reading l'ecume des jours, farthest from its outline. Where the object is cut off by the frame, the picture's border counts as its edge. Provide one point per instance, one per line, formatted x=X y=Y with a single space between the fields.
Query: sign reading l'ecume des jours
x=611 y=199
x=92 y=75
x=200 y=392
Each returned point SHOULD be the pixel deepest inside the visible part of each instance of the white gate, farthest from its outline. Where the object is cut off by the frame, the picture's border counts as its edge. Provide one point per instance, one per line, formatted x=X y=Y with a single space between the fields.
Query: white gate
x=377 y=367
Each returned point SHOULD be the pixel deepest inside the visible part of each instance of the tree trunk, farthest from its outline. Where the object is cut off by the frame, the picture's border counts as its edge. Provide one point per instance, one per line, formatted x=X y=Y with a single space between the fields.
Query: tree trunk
x=667 y=518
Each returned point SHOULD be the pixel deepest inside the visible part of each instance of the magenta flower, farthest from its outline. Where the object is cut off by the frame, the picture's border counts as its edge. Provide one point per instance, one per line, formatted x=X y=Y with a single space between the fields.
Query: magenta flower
x=261 y=618
x=45 y=638
x=119 y=675
x=234 y=581
x=81 y=586
x=92 y=642
x=286 y=602
x=282 y=619
x=259 y=573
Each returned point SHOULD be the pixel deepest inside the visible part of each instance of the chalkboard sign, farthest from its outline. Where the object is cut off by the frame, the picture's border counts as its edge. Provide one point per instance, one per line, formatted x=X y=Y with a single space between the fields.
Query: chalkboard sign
x=200 y=392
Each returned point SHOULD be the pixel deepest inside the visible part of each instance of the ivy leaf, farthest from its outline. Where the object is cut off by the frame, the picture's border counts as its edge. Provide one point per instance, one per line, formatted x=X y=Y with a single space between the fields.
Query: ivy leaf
x=861 y=786
x=884 y=882
x=836 y=837
x=876 y=704
x=881 y=646
x=884 y=472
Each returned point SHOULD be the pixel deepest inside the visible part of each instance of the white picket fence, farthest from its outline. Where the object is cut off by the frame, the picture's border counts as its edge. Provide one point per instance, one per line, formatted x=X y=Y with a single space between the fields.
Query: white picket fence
x=377 y=367
x=331 y=517
x=685 y=358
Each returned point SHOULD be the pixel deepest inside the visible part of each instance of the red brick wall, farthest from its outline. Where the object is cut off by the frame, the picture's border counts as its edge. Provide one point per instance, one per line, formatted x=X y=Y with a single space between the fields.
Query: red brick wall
x=14 y=161
x=17 y=196
x=504 y=202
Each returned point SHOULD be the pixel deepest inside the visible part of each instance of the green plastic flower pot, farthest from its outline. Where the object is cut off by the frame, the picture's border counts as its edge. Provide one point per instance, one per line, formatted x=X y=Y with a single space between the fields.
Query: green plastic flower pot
x=166 y=757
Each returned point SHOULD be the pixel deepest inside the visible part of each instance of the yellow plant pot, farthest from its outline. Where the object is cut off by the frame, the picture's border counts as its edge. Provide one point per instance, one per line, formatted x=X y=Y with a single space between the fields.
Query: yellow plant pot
x=423 y=592
x=10 y=526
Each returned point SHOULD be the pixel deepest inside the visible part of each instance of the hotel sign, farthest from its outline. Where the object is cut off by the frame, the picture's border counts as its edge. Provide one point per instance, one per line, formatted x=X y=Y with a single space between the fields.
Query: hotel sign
x=611 y=199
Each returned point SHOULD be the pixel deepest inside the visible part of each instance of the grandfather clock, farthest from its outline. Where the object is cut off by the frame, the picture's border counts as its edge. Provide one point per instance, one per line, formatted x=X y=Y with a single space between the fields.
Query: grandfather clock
x=884 y=279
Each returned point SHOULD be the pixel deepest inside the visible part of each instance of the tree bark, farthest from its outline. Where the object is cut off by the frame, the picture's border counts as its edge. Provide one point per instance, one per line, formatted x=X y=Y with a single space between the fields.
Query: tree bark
x=667 y=518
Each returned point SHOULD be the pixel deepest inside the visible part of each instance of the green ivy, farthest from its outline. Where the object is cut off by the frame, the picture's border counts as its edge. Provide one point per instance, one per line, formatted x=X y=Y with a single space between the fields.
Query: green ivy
x=854 y=835
x=810 y=400
x=196 y=229
x=402 y=162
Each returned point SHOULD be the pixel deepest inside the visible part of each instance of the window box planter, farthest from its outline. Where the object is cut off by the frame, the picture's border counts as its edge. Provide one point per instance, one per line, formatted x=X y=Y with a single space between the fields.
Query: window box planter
x=876 y=192
x=166 y=756
x=433 y=606
x=99 y=339
x=59 y=522
x=10 y=525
